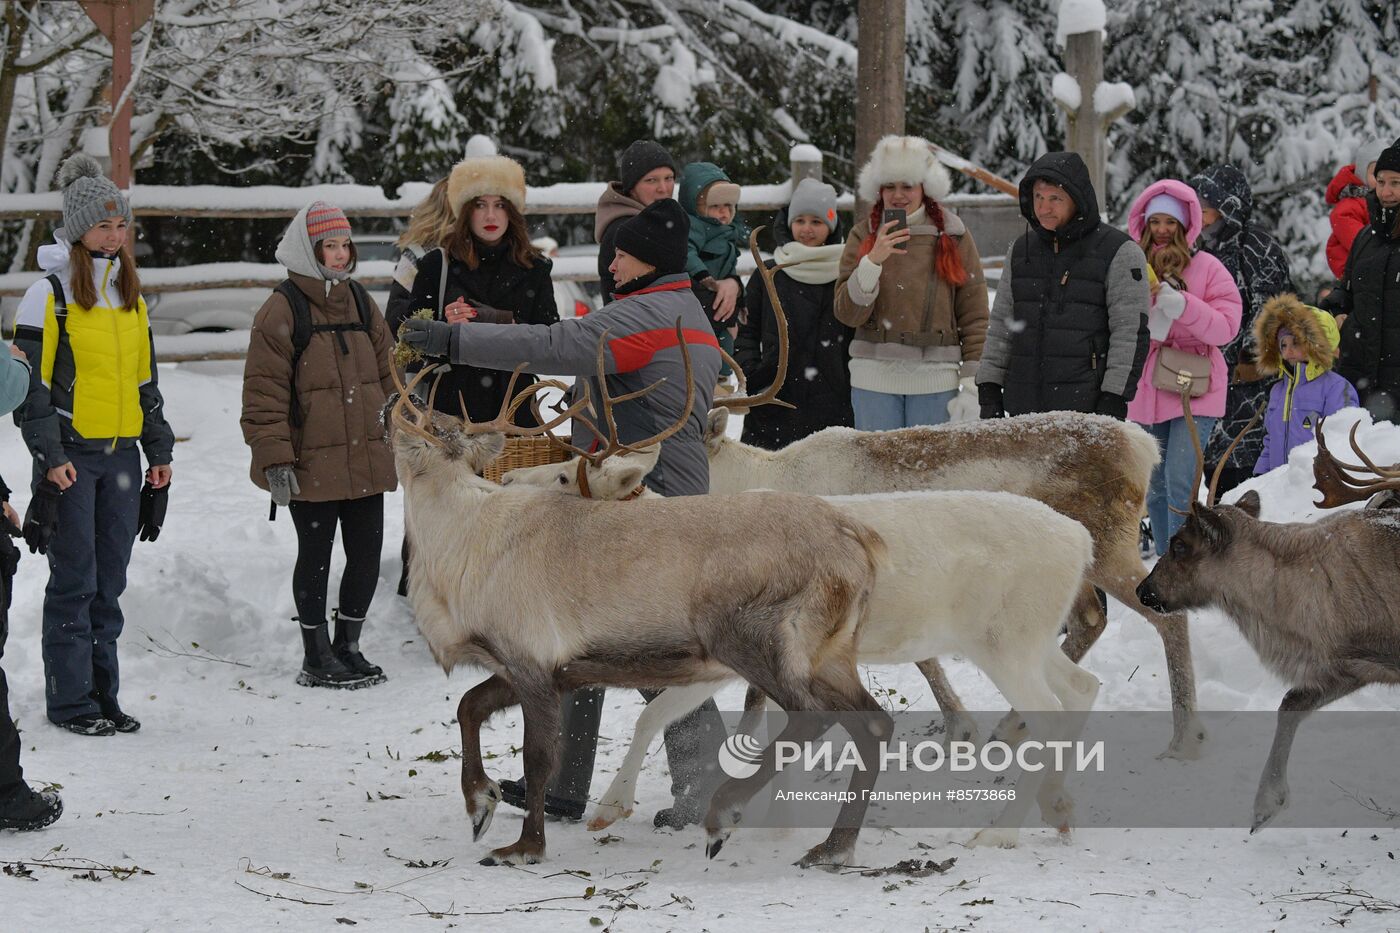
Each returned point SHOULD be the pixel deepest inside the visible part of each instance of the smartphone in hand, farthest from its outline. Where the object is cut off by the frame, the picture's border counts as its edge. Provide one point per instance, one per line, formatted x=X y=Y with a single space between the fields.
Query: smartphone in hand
x=899 y=216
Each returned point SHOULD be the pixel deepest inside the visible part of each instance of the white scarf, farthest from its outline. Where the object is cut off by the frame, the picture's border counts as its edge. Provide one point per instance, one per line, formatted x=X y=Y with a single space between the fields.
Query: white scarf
x=819 y=263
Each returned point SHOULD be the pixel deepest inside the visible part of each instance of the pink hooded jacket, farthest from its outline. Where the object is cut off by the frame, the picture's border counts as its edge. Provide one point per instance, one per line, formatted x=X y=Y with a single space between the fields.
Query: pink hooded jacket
x=1211 y=318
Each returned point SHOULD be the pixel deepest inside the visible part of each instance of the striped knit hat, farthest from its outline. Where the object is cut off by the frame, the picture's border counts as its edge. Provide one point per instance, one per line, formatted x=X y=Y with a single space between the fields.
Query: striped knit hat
x=324 y=221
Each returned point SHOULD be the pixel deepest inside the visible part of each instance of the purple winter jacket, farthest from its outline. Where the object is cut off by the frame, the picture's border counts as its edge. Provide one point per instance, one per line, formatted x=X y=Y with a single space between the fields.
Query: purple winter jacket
x=1295 y=405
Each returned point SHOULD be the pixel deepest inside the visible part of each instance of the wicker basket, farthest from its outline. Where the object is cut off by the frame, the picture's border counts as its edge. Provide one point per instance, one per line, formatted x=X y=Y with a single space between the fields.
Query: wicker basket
x=523 y=452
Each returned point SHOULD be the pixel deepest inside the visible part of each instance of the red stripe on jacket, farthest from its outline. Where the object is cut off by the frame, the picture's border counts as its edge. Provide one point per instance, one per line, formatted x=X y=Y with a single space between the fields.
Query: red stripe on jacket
x=634 y=351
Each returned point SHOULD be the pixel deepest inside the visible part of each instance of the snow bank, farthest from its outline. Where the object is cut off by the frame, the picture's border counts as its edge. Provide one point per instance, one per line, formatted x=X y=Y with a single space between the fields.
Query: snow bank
x=255 y=804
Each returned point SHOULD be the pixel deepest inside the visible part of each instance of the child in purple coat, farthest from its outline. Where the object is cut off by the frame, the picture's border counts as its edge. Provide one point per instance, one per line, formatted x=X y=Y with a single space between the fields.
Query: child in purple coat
x=1301 y=341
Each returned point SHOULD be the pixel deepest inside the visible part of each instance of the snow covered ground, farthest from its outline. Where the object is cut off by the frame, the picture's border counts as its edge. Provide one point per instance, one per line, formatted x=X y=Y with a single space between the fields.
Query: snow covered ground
x=250 y=803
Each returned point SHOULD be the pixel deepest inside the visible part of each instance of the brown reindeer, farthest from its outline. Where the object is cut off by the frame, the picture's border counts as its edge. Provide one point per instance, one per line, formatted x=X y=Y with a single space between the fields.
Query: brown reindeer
x=1326 y=634
x=500 y=584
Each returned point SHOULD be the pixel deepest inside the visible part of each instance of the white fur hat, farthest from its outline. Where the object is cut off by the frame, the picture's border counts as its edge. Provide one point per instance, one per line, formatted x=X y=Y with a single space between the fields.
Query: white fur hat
x=496 y=174
x=903 y=158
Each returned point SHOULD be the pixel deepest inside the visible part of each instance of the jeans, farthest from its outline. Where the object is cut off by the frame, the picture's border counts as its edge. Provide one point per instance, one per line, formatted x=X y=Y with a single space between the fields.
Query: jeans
x=881 y=411
x=88 y=555
x=1171 y=479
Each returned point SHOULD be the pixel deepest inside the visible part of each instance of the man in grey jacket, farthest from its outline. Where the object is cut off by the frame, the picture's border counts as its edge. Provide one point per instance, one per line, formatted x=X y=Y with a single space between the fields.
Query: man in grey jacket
x=1068 y=330
x=638 y=329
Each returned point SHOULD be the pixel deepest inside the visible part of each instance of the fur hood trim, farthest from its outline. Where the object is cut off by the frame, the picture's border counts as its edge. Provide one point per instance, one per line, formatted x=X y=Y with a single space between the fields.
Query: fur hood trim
x=1313 y=329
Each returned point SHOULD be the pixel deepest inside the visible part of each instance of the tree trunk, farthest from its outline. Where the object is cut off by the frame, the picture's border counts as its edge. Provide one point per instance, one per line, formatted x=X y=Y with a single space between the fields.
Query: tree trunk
x=879 y=76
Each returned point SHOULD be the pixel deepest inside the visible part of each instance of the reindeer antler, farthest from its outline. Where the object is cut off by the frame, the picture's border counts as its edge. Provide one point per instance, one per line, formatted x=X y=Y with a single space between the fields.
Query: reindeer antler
x=768 y=396
x=1200 y=451
x=1332 y=478
x=612 y=445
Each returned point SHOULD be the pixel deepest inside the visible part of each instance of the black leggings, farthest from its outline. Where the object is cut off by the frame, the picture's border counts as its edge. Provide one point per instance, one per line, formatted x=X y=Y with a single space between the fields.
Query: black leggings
x=361 y=532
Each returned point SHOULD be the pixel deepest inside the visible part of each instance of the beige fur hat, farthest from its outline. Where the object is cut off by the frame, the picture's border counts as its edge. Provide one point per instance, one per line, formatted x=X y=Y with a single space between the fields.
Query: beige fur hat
x=903 y=158
x=498 y=175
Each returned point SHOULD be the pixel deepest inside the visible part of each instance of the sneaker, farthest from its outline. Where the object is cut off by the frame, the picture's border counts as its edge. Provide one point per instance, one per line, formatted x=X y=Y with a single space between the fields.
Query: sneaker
x=121 y=721
x=89 y=724
x=28 y=811
x=513 y=793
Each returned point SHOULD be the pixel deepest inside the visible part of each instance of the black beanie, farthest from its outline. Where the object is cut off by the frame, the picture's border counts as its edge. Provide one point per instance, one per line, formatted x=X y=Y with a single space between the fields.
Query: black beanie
x=657 y=236
x=1389 y=160
x=638 y=159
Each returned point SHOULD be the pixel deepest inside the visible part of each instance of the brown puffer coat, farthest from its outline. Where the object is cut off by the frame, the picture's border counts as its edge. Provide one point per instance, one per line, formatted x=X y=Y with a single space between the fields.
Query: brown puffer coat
x=341 y=449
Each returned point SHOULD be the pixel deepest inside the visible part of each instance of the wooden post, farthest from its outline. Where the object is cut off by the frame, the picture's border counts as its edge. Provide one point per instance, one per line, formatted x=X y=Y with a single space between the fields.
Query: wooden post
x=879 y=75
x=1086 y=130
x=118 y=19
x=806 y=161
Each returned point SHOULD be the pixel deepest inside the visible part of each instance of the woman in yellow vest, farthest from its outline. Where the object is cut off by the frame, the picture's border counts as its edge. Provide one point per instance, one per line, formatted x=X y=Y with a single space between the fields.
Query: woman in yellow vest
x=92 y=398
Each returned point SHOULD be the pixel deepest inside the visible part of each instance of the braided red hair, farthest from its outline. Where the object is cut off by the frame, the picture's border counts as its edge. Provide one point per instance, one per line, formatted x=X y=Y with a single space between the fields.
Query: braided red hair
x=947 y=264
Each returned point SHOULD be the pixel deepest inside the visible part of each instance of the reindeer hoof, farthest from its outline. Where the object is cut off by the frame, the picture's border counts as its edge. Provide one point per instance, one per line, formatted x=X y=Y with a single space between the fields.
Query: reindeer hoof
x=607 y=814
x=826 y=857
x=997 y=836
x=1268 y=803
x=715 y=843
x=513 y=855
x=481 y=806
x=1186 y=747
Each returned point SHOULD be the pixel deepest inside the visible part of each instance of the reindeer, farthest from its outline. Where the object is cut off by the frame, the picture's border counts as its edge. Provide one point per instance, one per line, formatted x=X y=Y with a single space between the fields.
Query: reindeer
x=997 y=596
x=1325 y=634
x=1091 y=468
x=499 y=585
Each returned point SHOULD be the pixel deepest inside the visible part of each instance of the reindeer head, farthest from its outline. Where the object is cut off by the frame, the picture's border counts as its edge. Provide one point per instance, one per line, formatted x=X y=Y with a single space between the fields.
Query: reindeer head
x=427 y=441
x=1185 y=577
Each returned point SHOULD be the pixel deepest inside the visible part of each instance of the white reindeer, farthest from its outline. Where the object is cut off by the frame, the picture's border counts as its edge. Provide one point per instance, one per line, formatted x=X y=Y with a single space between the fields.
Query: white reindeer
x=989 y=576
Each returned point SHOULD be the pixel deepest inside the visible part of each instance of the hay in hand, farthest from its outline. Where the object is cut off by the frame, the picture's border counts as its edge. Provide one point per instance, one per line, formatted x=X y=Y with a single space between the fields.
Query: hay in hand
x=405 y=354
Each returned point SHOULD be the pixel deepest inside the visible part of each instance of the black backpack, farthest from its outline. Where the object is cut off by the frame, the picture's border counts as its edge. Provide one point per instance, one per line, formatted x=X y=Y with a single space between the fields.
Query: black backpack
x=302 y=329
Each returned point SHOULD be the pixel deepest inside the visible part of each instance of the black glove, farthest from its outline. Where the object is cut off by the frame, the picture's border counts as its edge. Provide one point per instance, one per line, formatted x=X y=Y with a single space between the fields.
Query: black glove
x=153 y=503
x=430 y=338
x=1112 y=405
x=41 y=518
x=989 y=397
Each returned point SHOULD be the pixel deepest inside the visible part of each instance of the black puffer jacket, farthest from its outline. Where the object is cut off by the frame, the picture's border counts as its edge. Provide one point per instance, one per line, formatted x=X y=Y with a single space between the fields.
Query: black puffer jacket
x=1370 y=297
x=818 y=378
x=1072 y=324
x=496 y=282
x=1259 y=267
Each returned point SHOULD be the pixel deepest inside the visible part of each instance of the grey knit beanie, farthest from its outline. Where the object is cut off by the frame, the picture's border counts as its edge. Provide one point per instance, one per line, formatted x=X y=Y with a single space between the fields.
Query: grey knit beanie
x=89 y=197
x=815 y=198
x=1364 y=154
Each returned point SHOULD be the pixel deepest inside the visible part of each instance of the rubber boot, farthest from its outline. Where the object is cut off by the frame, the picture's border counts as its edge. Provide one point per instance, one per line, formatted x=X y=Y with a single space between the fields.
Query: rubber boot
x=321 y=667
x=347 y=648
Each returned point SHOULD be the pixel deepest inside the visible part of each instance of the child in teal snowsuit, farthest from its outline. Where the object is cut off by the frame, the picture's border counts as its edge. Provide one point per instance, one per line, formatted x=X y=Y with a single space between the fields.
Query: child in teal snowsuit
x=717 y=236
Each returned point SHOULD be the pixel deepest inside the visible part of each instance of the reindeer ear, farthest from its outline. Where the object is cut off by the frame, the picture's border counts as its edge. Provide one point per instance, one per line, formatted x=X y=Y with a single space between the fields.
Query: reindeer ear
x=633 y=468
x=1214 y=533
x=1249 y=504
x=715 y=427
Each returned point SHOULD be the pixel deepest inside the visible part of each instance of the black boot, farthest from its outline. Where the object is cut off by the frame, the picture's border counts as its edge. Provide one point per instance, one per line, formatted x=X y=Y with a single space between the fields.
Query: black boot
x=321 y=667
x=347 y=648
x=25 y=810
